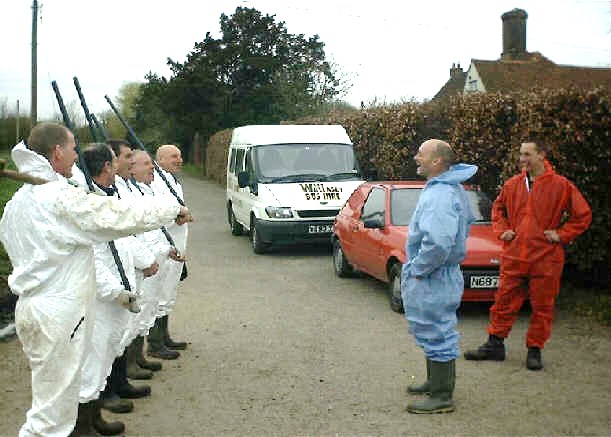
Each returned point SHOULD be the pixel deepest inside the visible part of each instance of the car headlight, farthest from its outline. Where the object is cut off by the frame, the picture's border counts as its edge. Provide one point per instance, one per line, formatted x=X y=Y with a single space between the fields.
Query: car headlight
x=280 y=212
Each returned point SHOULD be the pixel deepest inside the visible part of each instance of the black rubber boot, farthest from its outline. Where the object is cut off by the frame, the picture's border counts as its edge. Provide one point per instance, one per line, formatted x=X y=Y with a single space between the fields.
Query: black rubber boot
x=100 y=425
x=533 y=359
x=493 y=349
x=443 y=380
x=141 y=360
x=169 y=343
x=134 y=371
x=123 y=388
x=109 y=398
x=425 y=387
x=156 y=343
x=84 y=421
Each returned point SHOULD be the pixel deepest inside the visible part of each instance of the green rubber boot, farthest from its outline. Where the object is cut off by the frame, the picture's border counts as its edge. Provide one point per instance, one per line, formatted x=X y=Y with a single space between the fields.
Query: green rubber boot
x=156 y=344
x=443 y=380
x=425 y=387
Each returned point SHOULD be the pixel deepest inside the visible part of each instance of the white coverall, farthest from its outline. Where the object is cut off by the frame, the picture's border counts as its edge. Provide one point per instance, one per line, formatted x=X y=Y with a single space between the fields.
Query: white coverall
x=151 y=287
x=48 y=231
x=179 y=234
x=111 y=320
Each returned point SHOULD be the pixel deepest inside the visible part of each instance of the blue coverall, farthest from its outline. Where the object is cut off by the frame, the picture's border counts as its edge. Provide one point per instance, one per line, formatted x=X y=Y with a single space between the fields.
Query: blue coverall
x=432 y=282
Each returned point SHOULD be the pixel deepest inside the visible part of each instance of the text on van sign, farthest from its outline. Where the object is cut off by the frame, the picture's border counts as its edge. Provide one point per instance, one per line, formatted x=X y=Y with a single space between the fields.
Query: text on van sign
x=320 y=192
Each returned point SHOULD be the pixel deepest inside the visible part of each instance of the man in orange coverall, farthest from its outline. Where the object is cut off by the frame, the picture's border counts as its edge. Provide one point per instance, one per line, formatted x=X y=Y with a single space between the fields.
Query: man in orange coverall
x=529 y=215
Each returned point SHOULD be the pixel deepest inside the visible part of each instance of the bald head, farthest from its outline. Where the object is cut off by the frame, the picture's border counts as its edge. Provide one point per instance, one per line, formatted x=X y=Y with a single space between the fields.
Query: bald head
x=169 y=158
x=434 y=157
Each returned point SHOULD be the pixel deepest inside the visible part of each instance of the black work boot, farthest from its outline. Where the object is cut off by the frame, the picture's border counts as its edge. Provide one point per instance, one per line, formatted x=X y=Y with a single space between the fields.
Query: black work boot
x=493 y=349
x=84 y=421
x=169 y=343
x=134 y=371
x=156 y=343
x=100 y=425
x=425 y=387
x=443 y=380
x=123 y=388
x=140 y=359
x=533 y=359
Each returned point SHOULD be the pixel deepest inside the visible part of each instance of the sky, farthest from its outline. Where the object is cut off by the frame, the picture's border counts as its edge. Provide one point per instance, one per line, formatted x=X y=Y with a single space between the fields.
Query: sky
x=388 y=50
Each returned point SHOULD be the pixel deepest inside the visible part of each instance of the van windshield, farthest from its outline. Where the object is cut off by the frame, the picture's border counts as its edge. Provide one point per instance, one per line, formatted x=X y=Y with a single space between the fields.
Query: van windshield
x=283 y=163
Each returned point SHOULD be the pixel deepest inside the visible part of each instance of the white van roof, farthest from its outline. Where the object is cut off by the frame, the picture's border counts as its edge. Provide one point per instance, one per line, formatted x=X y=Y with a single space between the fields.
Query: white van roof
x=290 y=134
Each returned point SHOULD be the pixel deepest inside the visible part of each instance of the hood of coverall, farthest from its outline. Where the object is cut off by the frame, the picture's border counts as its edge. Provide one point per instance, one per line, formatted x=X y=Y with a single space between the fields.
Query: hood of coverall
x=456 y=174
x=33 y=164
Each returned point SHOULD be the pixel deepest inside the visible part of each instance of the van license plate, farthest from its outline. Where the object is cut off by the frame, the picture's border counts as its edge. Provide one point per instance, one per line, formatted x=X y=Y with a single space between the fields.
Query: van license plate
x=484 y=282
x=320 y=229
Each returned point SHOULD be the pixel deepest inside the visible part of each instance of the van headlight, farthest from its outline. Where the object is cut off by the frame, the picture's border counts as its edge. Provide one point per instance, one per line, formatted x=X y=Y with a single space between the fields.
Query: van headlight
x=279 y=212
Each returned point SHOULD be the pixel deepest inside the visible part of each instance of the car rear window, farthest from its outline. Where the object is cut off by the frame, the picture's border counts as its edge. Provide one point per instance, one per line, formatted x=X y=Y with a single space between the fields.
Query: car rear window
x=403 y=204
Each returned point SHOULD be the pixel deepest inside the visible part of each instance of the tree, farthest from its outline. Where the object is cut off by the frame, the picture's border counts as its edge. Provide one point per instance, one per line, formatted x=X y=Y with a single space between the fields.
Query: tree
x=256 y=72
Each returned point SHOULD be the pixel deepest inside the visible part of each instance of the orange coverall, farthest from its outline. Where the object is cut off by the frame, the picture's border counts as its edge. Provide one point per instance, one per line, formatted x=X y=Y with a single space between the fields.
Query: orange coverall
x=531 y=266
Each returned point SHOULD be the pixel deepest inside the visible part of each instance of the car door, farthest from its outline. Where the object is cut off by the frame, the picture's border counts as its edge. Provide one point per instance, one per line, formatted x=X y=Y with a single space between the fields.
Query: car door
x=348 y=220
x=241 y=197
x=370 y=253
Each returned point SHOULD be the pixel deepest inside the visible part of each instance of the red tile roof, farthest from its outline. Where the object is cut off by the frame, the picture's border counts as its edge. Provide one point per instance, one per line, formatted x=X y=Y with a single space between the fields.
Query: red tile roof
x=535 y=70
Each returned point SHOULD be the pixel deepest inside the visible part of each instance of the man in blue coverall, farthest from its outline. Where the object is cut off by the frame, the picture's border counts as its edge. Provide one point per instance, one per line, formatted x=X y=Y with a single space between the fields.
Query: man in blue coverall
x=432 y=283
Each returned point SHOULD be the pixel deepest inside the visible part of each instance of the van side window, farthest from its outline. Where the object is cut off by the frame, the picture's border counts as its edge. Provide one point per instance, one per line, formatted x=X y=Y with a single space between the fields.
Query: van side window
x=375 y=205
x=239 y=161
x=232 y=162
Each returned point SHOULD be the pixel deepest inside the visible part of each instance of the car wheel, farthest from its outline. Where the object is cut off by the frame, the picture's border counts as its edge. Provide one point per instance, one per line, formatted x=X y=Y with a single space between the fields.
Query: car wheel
x=236 y=227
x=341 y=266
x=394 y=288
x=258 y=246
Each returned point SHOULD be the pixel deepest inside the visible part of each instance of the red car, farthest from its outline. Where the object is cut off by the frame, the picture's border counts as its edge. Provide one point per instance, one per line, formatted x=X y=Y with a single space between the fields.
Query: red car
x=376 y=245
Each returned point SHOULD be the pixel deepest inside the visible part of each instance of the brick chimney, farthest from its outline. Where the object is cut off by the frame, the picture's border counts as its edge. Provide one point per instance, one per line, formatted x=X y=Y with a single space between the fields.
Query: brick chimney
x=455 y=71
x=514 y=34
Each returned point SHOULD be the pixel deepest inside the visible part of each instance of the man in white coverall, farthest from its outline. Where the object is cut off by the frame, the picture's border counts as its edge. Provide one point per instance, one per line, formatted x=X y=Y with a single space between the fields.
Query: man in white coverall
x=111 y=315
x=48 y=231
x=167 y=256
x=169 y=159
x=137 y=366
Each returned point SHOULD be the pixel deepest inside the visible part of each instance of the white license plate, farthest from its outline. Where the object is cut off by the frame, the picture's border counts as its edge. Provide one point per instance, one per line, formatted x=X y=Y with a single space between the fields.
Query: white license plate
x=484 y=282
x=320 y=229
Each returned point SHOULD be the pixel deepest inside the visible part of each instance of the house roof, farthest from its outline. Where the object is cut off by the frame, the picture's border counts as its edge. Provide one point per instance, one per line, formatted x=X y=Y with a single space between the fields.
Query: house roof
x=455 y=85
x=535 y=70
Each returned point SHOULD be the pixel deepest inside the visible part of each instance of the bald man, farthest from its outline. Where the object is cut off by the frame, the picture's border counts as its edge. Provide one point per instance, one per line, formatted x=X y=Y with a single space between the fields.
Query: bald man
x=432 y=283
x=169 y=158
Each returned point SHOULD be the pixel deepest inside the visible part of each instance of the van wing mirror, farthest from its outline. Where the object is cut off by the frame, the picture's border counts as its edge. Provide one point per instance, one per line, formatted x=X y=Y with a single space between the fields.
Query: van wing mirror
x=374 y=223
x=243 y=179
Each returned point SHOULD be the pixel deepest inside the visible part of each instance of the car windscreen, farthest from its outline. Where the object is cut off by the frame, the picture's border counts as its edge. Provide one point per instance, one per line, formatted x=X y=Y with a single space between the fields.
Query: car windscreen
x=279 y=163
x=403 y=204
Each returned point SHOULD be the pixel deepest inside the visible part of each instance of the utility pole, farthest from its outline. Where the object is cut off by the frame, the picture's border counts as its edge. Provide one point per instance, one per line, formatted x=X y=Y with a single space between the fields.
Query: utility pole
x=34 y=103
x=17 y=124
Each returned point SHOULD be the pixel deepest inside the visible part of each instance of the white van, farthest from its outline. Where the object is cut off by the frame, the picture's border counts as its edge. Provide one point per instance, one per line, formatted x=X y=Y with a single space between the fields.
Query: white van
x=286 y=183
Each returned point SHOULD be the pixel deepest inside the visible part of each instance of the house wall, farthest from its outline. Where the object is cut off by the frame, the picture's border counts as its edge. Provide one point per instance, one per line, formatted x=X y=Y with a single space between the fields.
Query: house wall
x=473 y=82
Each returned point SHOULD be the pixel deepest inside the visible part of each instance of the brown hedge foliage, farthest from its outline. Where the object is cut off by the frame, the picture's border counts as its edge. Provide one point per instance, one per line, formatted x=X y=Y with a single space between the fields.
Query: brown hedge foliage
x=486 y=129
x=216 y=156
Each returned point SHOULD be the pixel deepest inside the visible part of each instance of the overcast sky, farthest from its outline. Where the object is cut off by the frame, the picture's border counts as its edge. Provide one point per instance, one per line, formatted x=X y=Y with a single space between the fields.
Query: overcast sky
x=389 y=50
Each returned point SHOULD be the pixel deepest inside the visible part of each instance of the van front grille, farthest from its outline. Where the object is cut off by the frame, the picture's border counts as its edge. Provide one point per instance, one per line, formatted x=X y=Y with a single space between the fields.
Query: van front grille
x=315 y=213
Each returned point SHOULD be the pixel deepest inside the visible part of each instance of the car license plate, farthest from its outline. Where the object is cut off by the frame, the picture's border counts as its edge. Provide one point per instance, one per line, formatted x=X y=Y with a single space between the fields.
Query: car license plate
x=484 y=282
x=320 y=229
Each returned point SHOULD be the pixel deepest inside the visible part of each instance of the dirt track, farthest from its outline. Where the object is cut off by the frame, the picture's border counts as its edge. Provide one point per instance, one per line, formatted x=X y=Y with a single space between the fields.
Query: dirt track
x=280 y=346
